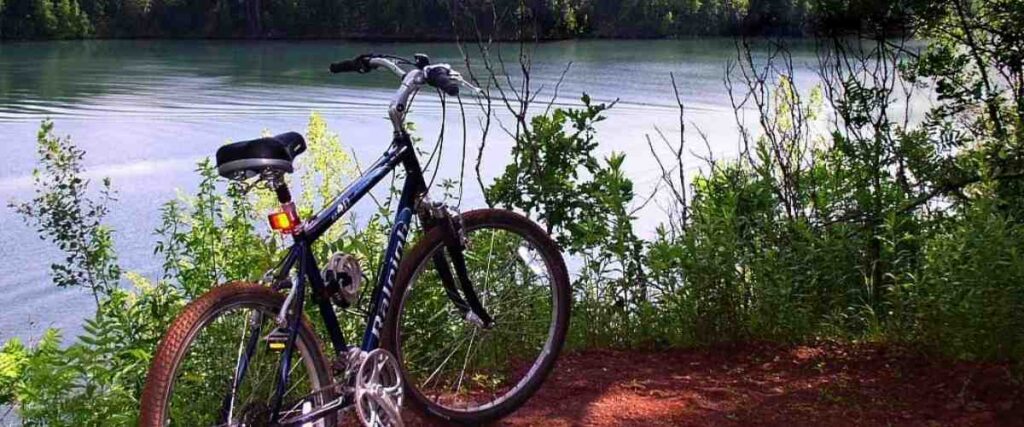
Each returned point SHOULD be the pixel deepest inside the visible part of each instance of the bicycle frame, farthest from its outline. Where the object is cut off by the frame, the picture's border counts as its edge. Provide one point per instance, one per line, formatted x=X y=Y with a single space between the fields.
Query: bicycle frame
x=300 y=255
x=400 y=152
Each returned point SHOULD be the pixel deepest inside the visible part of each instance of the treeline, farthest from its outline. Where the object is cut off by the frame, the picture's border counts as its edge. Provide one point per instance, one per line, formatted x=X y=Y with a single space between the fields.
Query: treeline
x=426 y=19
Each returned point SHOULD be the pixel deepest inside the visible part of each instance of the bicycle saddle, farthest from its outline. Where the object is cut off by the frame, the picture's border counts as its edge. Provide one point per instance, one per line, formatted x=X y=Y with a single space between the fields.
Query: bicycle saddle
x=245 y=159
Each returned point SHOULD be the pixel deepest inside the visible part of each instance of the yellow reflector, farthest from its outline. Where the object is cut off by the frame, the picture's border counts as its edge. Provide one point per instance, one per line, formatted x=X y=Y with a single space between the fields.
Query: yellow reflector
x=277 y=346
x=280 y=221
x=285 y=220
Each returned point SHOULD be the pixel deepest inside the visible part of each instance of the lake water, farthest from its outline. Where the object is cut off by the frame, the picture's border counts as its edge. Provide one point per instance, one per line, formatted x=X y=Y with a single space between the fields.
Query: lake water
x=147 y=111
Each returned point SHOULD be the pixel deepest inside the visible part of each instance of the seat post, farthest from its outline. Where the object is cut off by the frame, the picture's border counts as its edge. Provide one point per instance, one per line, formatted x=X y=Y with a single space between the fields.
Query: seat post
x=276 y=181
x=283 y=195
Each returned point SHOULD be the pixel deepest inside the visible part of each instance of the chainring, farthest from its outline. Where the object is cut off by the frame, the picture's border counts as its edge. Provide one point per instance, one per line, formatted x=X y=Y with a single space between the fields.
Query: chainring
x=378 y=397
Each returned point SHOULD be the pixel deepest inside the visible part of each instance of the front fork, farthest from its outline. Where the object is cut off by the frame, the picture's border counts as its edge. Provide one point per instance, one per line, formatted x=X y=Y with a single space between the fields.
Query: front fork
x=468 y=302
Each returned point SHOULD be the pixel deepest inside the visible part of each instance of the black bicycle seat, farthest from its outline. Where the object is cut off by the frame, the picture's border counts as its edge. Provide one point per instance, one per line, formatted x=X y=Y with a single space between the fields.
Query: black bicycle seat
x=245 y=159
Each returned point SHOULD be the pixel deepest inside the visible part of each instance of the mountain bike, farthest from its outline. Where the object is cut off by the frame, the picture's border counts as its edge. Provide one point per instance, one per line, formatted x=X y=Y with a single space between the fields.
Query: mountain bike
x=464 y=328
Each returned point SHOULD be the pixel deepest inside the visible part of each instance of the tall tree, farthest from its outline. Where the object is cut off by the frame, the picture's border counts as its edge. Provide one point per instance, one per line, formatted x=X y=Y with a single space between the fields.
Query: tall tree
x=43 y=18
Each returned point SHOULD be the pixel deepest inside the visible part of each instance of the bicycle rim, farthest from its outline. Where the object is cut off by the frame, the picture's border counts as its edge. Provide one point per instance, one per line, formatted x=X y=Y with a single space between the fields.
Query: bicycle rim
x=458 y=365
x=207 y=367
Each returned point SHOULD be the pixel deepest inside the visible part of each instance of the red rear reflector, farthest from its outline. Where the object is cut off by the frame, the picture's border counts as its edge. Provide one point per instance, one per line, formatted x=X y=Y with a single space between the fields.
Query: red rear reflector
x=285 y=220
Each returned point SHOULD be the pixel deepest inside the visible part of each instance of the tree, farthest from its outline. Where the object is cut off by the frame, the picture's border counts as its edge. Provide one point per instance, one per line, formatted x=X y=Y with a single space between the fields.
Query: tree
x=71 y=22
x=1 y=19
x=43 y=18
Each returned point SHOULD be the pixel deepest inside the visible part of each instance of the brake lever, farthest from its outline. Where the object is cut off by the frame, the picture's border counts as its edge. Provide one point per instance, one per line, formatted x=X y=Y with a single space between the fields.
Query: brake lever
x=457 y=76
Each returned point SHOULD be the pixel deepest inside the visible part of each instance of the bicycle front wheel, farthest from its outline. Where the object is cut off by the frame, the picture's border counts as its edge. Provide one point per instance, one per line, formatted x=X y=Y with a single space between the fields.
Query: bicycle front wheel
x=456 y=370
x=192 y=379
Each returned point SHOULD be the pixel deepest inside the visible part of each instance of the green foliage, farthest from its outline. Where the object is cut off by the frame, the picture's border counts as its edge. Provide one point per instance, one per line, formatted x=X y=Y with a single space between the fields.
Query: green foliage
x=43 y=19
x=555 y=178
x=96 y=380
x=544 y=177
x=13 y=356
x=978 y=73
x=878 y=228
x=970 y=298
x=205 y=239
x=211 y=237
x=64 y=213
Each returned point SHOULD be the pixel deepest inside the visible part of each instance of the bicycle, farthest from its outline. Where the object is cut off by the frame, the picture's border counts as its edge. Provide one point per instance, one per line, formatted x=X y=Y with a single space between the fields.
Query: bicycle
x=477 y=287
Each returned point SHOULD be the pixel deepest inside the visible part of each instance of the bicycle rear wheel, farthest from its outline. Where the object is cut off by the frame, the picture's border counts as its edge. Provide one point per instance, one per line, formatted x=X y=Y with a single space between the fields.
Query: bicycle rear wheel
x=191 y=378
x=454 y=369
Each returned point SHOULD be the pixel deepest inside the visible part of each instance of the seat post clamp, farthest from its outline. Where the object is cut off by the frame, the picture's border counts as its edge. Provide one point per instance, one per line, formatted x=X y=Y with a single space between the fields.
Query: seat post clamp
x=275 y=181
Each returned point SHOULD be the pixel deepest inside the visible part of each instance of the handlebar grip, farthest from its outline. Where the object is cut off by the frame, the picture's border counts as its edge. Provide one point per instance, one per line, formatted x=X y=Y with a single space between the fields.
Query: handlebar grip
x=438 y=77
x=346 y=66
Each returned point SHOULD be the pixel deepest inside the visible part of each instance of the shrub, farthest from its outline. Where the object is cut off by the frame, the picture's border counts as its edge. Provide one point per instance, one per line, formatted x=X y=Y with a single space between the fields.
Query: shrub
x=205 y=239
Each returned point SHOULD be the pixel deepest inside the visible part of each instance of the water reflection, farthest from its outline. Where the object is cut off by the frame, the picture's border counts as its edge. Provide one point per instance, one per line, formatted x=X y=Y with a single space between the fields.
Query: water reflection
x=146 y=111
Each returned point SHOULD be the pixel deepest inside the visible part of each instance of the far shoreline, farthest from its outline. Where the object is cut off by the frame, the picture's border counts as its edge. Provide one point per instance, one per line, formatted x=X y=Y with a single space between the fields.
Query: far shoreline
x=407 y=39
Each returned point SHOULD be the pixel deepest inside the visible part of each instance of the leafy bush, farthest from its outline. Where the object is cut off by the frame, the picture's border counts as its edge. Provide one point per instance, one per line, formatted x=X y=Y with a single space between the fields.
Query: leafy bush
x=205 y=239
x=63 y=213
x=969 y=292
x=877 y=228
x=583 y=201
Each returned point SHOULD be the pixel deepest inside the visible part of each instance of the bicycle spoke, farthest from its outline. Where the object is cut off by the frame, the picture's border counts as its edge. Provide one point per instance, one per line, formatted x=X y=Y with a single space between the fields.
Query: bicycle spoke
x=446 y=348
x=445 y=362
x=462 y=374
x=514 y=285
x=238 y=367
x=208 y=373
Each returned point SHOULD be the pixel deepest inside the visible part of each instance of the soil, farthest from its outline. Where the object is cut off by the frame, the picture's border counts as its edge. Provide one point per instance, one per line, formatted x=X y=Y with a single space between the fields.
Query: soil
x=824 y=385
x=770 y=385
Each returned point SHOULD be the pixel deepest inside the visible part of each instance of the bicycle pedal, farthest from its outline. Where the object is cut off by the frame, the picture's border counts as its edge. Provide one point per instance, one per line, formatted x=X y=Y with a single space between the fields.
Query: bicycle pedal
x=277 y=340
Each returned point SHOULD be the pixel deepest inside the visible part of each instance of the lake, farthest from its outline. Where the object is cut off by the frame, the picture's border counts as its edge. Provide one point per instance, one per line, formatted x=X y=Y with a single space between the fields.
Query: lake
x=147 y=111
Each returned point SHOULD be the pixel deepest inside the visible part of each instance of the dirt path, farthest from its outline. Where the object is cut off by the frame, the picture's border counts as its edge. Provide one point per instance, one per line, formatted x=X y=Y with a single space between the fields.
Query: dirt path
x=764 y=385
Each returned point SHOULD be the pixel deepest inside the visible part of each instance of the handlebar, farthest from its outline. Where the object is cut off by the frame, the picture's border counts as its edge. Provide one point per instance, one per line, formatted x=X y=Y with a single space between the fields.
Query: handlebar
x=440 y=76
x=346 y=66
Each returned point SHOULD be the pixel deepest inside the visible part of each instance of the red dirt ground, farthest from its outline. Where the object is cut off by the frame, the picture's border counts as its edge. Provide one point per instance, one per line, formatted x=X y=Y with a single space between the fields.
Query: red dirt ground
x=826 y=385
x=764 y=385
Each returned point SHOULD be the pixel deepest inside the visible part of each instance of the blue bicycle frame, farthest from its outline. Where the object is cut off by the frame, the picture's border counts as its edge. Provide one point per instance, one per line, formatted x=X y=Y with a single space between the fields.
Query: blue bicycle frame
x=400 y=152
x=300 y=255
